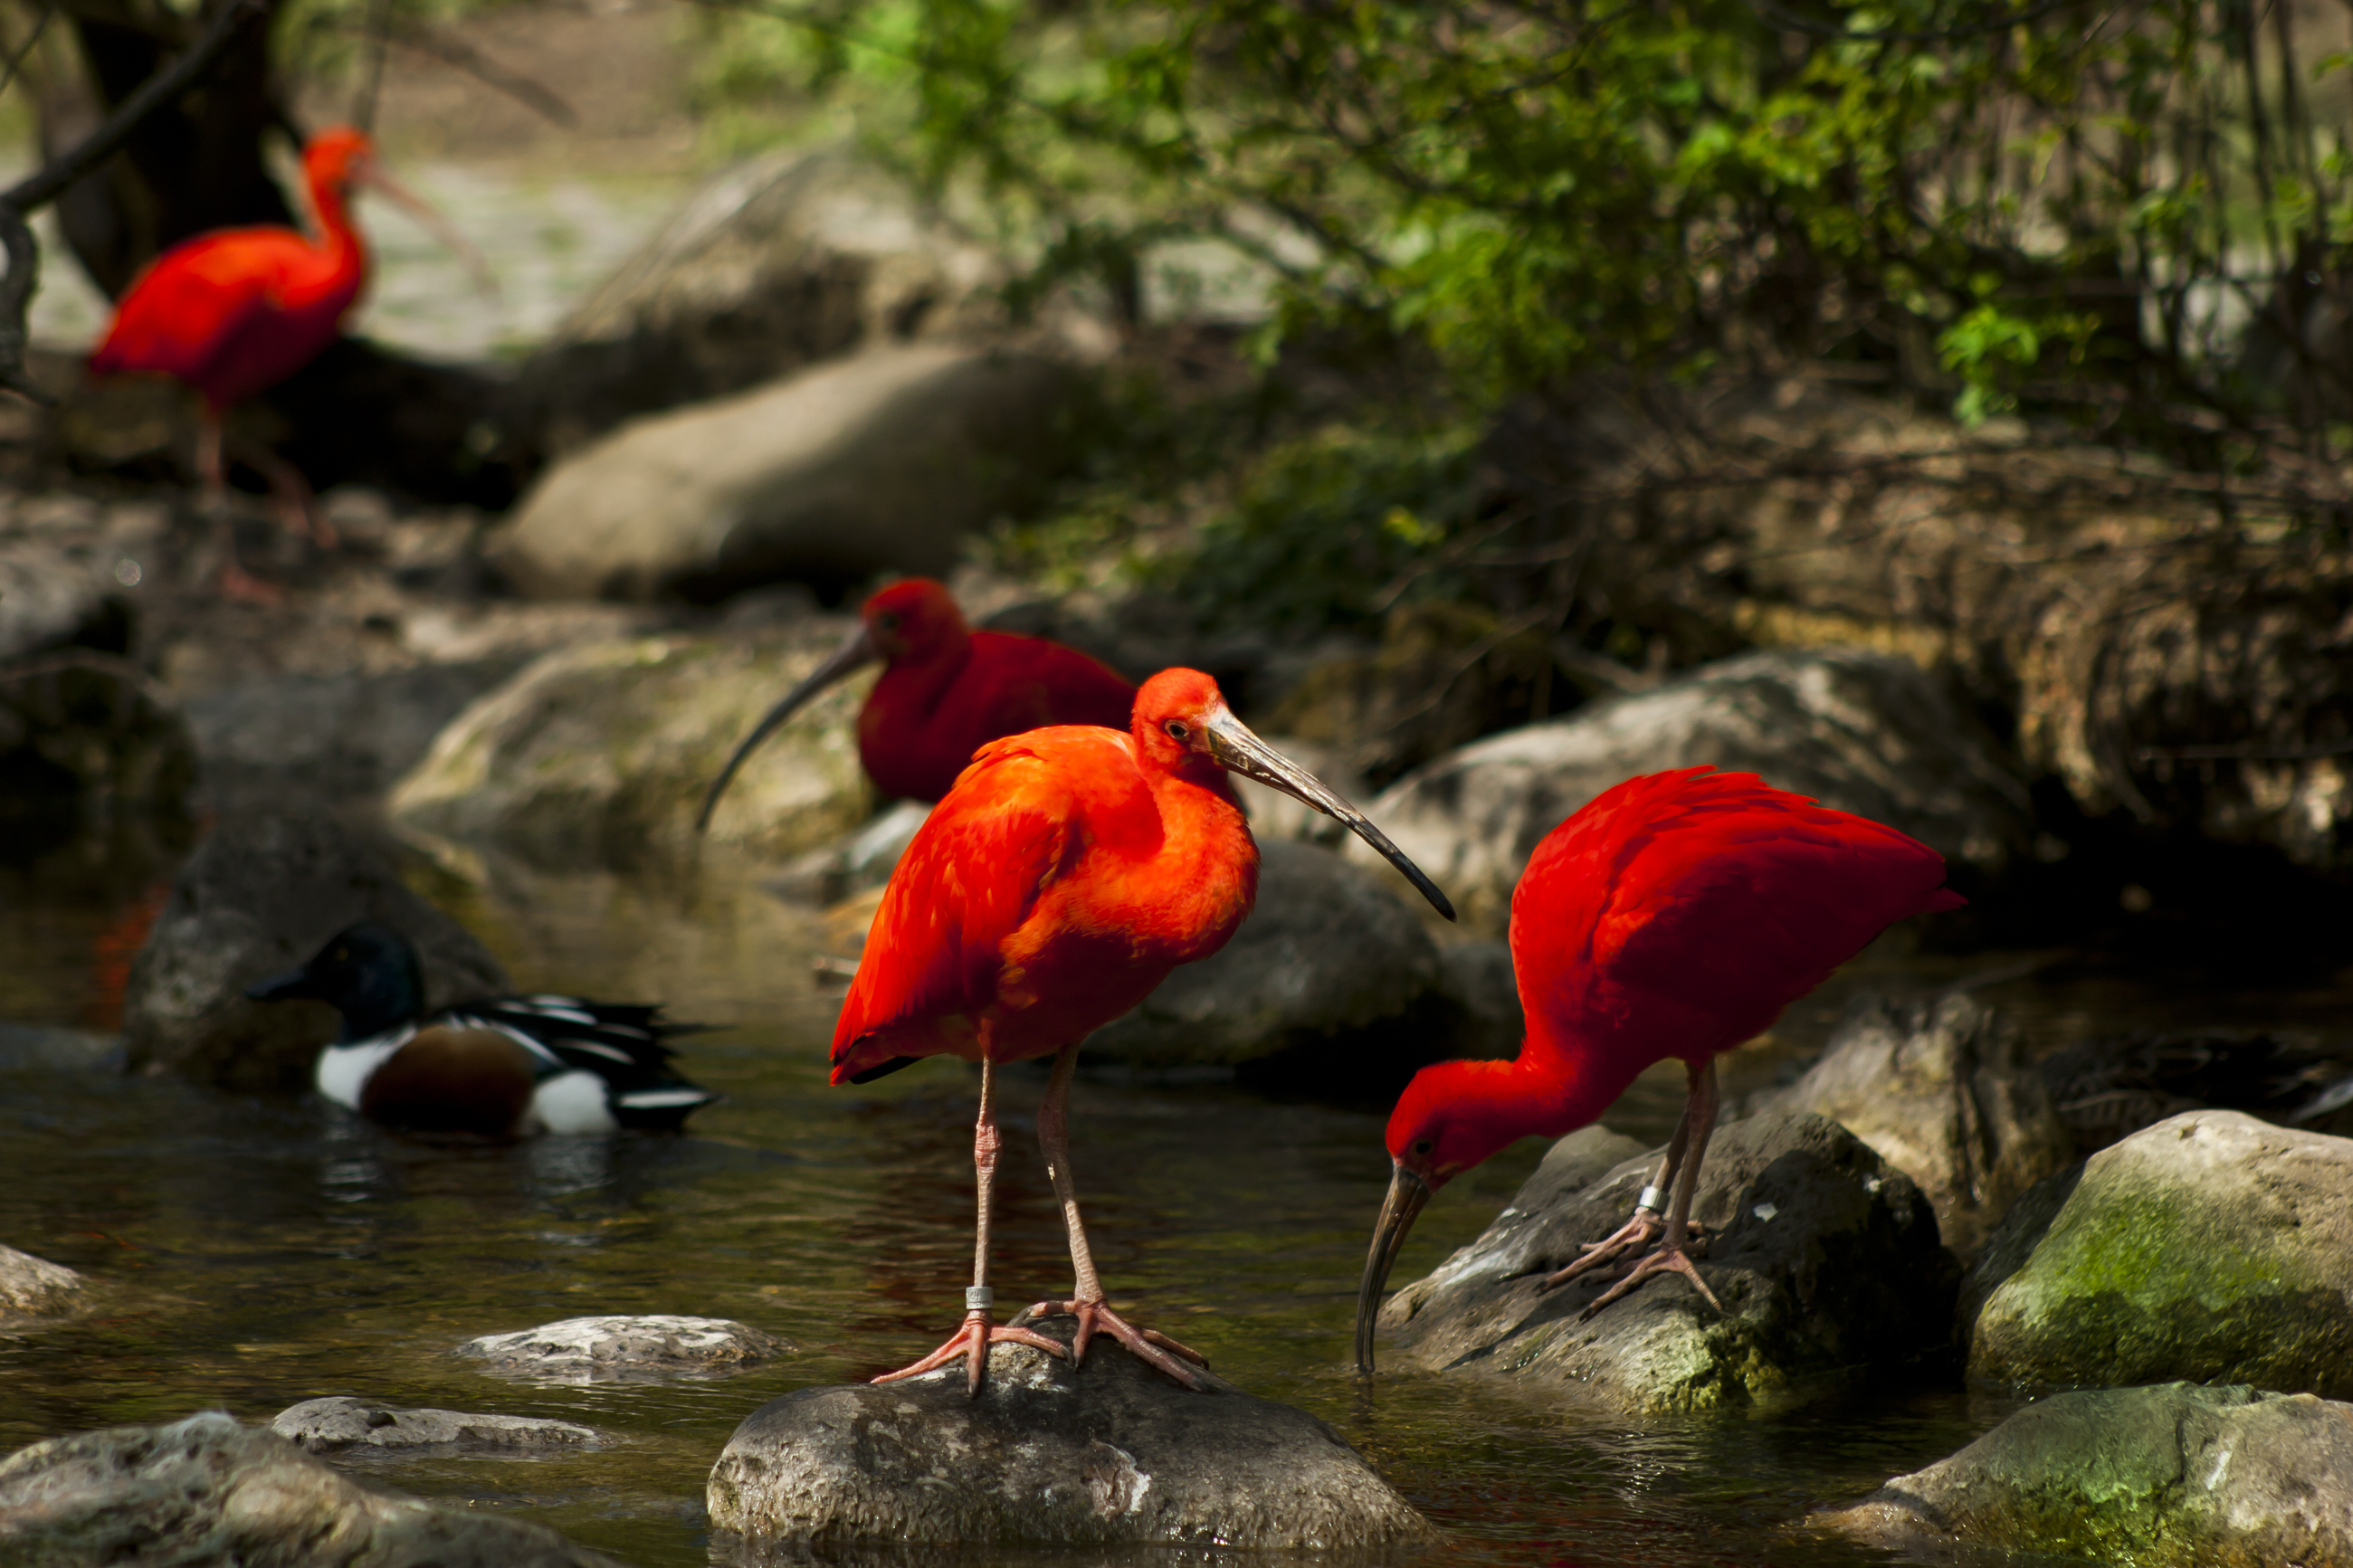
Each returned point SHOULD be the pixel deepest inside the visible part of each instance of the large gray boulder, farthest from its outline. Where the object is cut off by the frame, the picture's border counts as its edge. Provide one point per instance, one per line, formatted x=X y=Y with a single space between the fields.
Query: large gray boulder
x=2175 y=1476
x=1824 y=1256
x=1329 y=959
x=1944 y=1089
x=32 y=1288
x=778 y=262
x=1860 y=732
x=262 y=894
x=340 y=1423
x=2212 y=1247
x=600 y=756
x=207 y=1491
x=880 y=462
x=1111 y=1454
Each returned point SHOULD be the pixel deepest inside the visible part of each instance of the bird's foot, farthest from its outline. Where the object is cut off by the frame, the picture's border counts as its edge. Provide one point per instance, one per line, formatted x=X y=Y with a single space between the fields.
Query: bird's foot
x=1665 y=1260
x=236 y=583
x=1636 y=1234
x=972 y=1341
x=1149 y=1346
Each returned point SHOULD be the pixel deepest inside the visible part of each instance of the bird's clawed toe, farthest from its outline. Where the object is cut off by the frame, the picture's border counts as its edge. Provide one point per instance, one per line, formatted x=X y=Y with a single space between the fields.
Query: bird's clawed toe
x=1149 y=1346
x=972 y=1341
x=1666 y=1259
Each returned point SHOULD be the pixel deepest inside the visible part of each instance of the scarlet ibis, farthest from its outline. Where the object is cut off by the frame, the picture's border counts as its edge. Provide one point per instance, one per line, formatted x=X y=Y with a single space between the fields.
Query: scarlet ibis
x=945 y=692
x=1068 y=870
x=1675 y=915
x=504 y=1067
x=234 y=312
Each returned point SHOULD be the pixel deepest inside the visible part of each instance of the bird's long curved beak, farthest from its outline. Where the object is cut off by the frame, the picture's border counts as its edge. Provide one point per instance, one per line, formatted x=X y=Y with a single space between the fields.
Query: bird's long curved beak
x=428 y=218
x=1407 y=1192
x=1238 y=751
x=856 y=651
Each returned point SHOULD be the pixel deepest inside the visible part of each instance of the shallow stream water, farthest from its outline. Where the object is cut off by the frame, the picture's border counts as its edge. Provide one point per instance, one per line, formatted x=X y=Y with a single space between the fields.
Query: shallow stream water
x=256 y=1252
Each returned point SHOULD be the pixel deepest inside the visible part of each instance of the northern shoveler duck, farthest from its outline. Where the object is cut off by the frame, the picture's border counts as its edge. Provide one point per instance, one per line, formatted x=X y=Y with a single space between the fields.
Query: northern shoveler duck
x=504 y=1066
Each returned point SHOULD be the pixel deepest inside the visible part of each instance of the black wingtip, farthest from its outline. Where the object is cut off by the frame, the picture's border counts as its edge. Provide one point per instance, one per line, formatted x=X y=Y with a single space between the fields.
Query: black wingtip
x=885 y=1069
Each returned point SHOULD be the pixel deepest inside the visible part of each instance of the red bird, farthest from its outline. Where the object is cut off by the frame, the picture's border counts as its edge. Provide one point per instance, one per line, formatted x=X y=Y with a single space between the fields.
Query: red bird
x=1674 y=916
x=235 y=312
x=1064 y=876
x=946 y=691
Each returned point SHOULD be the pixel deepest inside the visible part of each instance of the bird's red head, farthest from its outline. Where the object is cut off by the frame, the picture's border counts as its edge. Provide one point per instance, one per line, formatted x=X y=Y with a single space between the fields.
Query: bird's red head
x=337 y=158
x=913 y=619
x=1455 y=1115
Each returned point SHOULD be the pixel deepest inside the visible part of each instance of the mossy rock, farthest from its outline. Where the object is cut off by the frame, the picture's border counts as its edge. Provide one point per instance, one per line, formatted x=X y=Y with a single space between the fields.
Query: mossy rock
x=2212 y=1248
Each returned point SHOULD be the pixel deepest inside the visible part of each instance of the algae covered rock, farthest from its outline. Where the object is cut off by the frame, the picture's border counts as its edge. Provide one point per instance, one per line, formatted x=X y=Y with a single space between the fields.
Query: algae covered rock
x=209 y=1491
x=1825 y=1256
x=1945 y=1091
x=2212 y=1247
x=2175 y=1476
x=601 y=755
x=1108 y=1453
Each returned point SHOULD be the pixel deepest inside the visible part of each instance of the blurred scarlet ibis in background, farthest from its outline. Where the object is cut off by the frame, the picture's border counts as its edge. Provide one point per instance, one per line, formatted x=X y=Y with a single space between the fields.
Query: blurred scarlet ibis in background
x=234 y=312
x=1674 y=916
x=946 y=691
x=1064 y=876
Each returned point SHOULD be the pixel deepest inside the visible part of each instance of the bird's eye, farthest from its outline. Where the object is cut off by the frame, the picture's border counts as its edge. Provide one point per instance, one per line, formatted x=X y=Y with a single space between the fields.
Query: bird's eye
x=1176 y=728
x=1422 y=1146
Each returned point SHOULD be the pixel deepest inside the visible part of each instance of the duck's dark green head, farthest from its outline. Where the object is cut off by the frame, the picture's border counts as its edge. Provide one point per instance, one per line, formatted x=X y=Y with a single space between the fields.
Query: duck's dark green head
x=369 y=973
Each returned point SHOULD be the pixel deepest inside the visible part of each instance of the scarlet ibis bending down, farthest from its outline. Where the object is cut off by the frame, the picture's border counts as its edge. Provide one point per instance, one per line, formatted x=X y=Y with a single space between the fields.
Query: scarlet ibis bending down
x=946 y=691
x=234 y=312
x=1064 y=876
x=505 y=1066
x=1674 y=916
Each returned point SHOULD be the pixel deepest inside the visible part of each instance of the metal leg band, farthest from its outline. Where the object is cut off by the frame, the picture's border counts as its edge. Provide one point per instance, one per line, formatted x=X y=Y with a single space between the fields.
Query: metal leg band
x=1652 y=1198
x=978 y=1299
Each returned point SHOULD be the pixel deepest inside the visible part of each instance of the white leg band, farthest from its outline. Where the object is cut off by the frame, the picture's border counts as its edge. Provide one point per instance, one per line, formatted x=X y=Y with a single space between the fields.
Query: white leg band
x=1652 y=1198
x=978 y=1299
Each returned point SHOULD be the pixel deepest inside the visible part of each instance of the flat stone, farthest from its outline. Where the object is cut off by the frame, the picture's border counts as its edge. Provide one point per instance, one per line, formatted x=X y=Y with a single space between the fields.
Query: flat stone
x=2177 y=1474
x=1864 y=732
x=882 y=461
x=1825 y=1256
x=34 y=1288
x=1109 y=1453
x=262 y=894
x=2212 y=1248
x=600 y=756
x=334 y=1425
x=1945 y=1091
x=627 y=1349
x=207 y=1491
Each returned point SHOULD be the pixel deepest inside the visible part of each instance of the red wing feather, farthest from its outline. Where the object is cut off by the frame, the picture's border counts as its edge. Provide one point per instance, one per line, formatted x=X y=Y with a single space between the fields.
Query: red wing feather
x=194 y=300
x=966 y=883
x=1679 y=913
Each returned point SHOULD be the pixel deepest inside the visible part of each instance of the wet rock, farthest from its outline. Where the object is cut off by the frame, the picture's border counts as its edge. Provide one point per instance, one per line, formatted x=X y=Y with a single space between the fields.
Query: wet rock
x=32 y=1286
x=1110 y=1454
x=330 y=737
x=880 y=462
x=1329 y=962
x=2212 y=1247
x=627 y=1349
x=2107 y=1089
x=2173 y=1475
x=58 y=590
x=776 y=263
x=46 y=1048
x=1825 y=1256
x=1860 y=732
x=260 y=895
x=86 y=735
x=331 y=1426
x=1945 y=1091
x=601 y=754
x=207 y=1491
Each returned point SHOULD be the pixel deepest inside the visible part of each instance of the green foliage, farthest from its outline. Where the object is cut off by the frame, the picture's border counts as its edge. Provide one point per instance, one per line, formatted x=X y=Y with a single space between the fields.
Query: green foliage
x=2001 y=200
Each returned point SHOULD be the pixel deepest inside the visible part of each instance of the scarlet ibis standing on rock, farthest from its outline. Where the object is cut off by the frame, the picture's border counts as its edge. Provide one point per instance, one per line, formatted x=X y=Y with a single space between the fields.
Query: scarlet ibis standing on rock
x=1064 y=876
x=234 y=312
x=946 y=691
x=1674 y=916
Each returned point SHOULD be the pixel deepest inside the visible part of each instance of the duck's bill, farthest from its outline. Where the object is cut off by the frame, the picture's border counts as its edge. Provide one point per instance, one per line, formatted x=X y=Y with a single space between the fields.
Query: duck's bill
x=1407 y=1192
x=857 y=652
x=429 y=218
x=1238 y=751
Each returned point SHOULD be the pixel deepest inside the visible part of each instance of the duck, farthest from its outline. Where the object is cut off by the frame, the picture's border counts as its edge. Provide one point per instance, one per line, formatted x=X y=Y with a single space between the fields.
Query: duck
x=504 y=1066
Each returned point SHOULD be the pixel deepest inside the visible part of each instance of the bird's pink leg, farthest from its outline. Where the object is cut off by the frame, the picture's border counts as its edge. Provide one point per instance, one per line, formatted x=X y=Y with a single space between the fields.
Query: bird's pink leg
x=1087 y=1302
x=1648 y=1222
x=1670 y=1256
x=979 y=1330
x=235 y=581
x=297 y=510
